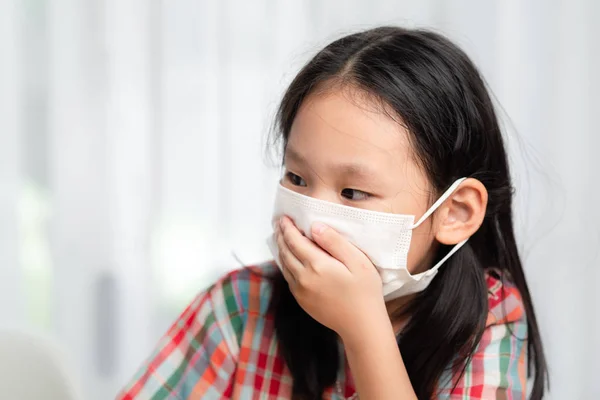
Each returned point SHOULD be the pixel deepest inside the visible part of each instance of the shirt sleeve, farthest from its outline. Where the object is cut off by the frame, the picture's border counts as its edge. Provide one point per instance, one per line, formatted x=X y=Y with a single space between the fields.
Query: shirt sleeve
x=498 y=369
x=195 y=359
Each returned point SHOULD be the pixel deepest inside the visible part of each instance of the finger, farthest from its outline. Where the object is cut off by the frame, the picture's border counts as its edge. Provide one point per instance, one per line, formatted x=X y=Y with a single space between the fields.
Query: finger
x=339 y=247
x=289 y=278
x=299 y=245
x=284 y=270
x=291 y=266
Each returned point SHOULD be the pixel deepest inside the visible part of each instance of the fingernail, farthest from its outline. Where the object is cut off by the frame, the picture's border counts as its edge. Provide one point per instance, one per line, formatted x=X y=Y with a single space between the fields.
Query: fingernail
x=319 y=227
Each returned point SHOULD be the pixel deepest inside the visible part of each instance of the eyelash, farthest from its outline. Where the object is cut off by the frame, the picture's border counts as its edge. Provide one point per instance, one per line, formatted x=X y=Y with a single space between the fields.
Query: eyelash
x=363 y=195
x=293 y=179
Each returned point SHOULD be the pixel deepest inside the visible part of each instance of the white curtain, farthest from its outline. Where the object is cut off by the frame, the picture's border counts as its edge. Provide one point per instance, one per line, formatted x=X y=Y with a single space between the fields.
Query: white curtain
x=133 y=171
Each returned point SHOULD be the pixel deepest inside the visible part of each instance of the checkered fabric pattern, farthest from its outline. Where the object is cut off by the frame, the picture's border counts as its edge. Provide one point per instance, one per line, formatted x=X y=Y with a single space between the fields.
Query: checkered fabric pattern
x=223 y=346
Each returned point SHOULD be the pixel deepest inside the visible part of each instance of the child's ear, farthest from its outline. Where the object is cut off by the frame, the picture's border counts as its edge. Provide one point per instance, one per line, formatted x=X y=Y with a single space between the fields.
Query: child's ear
x=462 y=213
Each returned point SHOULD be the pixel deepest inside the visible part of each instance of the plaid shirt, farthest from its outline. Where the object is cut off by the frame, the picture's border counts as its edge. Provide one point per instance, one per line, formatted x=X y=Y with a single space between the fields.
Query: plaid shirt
x=223 y=346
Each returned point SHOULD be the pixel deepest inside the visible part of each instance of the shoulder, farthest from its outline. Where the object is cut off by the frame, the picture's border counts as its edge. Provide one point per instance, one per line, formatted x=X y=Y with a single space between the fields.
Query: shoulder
x=498 y=366
x=243 y=291
x=239 y=292
x=198 y=356
x=229 y=307
x=505 y=304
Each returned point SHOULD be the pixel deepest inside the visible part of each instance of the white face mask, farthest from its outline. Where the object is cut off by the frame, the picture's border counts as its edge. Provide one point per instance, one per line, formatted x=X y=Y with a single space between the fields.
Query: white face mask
x=383 y=237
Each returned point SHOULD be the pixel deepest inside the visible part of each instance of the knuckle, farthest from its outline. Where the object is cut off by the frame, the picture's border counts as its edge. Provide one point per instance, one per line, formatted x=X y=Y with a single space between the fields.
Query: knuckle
x=286 y=234
x=328 y=241
x=325 y=239
x=279 y=241
x=302 y=281
x=315 y=265
x=285 y=257
x=293 y=246
x=364 y=263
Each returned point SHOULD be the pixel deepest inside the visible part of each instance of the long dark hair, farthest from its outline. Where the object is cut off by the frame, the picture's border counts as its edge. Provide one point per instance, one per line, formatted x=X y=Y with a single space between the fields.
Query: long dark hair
x=440 y=96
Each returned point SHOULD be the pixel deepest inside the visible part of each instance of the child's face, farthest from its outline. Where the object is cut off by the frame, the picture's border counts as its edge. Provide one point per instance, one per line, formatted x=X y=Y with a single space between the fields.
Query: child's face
x=344 y=150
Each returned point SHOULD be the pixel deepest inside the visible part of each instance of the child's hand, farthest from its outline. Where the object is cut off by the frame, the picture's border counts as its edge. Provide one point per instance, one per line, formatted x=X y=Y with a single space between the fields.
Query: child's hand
x=332 y=280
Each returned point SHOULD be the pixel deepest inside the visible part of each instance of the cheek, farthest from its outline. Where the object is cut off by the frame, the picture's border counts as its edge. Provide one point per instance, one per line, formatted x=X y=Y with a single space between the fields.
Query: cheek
x=421 y=252
x=413 y=200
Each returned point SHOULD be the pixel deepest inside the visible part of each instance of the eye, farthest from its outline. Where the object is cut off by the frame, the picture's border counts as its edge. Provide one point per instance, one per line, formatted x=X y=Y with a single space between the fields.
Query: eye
x=355 y=194
x=295 y=179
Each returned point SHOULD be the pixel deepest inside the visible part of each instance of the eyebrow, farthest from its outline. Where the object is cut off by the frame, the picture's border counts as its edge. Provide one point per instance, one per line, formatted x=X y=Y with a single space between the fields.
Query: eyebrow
x=350 y=169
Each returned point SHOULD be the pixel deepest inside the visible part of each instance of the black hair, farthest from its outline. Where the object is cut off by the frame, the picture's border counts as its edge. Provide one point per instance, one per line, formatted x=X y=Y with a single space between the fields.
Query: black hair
x=439 y=95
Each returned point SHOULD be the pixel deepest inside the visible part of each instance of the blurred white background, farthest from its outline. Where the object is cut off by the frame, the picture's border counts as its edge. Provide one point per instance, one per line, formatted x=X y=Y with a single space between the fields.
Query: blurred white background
x=132 y=137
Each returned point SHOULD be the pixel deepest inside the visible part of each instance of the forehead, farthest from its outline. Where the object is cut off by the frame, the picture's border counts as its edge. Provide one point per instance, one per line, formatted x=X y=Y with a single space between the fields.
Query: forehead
x=346 y=125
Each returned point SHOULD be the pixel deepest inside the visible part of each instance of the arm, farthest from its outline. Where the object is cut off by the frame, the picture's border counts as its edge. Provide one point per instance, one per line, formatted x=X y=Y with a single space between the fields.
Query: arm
x=376 y=363
x=192 y=359
x=339 y=287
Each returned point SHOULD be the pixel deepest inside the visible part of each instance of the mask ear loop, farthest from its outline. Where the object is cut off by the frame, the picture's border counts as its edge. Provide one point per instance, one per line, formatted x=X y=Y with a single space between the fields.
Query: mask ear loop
x=428 y=213
x=439 y=202
x=446 y=257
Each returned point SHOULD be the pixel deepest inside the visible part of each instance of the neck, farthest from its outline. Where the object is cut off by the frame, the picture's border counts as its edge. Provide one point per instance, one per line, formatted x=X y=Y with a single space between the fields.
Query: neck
x=398 y=313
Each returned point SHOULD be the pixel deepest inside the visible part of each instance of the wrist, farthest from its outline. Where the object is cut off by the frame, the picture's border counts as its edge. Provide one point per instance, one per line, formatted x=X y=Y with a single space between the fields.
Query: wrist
x=376 y=328
x=370 y=346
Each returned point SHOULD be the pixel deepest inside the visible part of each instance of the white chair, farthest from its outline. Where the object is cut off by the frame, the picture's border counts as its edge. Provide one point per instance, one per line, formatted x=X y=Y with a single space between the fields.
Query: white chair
x=32 y=369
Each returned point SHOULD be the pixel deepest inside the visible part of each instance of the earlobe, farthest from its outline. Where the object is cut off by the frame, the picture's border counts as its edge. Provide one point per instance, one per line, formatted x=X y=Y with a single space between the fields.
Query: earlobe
x=462 y=213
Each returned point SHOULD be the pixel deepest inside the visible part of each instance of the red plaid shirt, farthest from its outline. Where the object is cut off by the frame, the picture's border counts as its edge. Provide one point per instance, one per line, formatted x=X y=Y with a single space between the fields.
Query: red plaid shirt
x=223 y=346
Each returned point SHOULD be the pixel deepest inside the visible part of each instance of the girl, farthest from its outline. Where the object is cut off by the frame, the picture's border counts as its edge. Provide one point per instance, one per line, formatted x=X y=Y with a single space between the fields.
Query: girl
x=379 y=127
